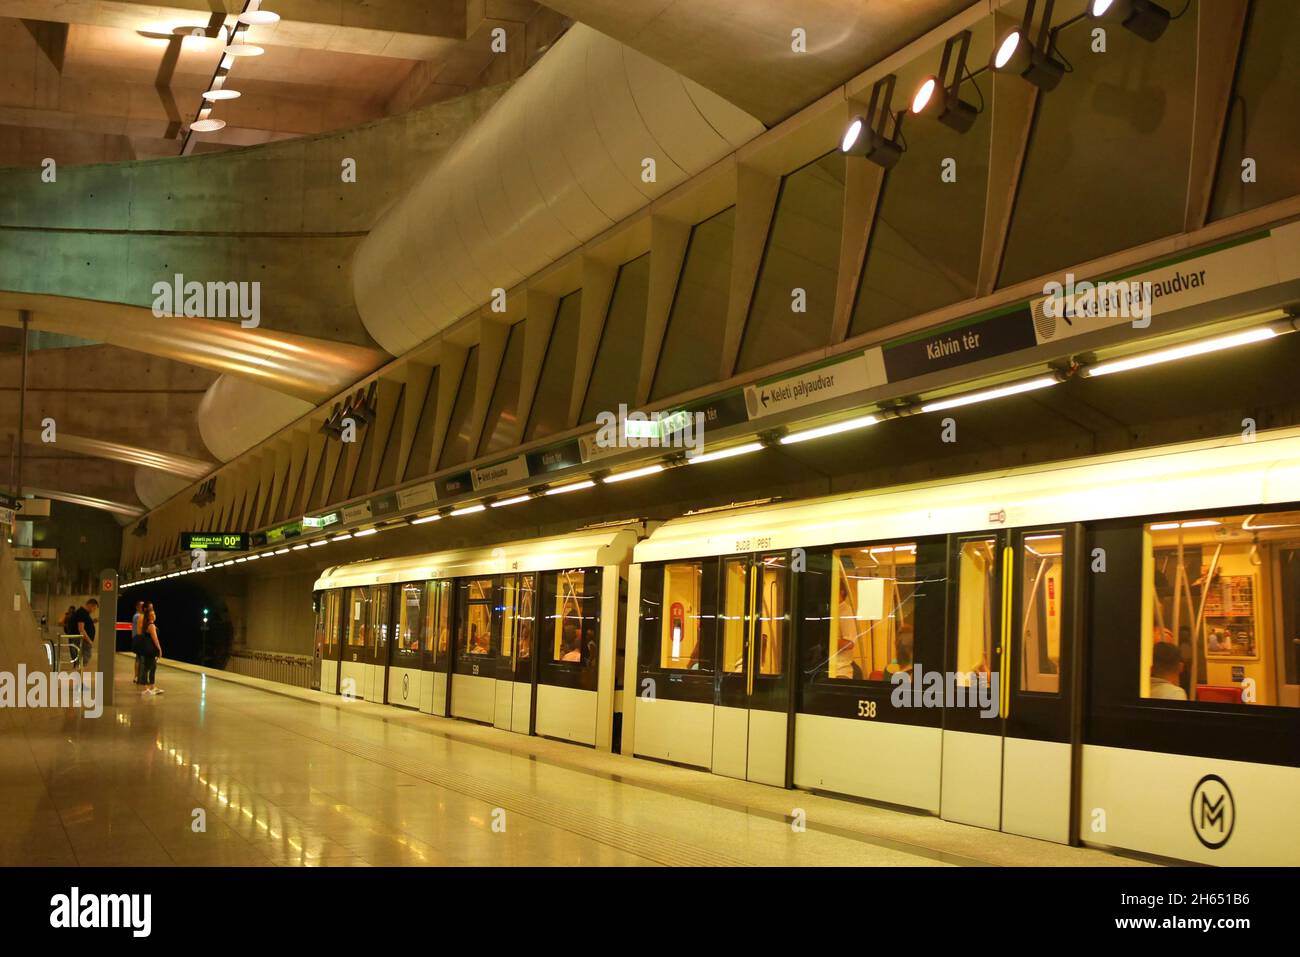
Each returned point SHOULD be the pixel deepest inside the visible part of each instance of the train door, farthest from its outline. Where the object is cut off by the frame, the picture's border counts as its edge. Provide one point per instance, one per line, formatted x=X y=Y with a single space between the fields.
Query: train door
x=1009 y=723
x=379 y=643
x=436 y=654
x=405 y=653
x=505 y=688
x=751 y=723
x=523 y=670
x=329 y=646
x=475 y=655
x=1041 y=702
x=354 y=663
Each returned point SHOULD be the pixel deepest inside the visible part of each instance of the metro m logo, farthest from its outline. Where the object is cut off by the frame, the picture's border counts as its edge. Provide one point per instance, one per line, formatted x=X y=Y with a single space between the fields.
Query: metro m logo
x=1211 y=814
x=1214 y=813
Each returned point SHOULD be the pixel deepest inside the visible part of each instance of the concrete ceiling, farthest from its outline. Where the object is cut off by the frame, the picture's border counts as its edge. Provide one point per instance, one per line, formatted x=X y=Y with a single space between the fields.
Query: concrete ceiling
x=111 y=81
x=743 y=50
x=104 y=81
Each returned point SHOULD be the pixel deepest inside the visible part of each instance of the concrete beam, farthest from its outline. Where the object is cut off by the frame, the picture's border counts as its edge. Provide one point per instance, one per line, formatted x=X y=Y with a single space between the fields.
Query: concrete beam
x=311 y=369
x=410 y=29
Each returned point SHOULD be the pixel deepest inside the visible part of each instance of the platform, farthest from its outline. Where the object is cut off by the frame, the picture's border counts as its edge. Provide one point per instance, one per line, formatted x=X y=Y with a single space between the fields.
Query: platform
x=288 y=776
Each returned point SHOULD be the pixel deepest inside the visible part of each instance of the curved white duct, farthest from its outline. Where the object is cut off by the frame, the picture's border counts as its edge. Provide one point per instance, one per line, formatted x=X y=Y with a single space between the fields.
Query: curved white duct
x=153 y=487
x=557 y=160
x=236 y=414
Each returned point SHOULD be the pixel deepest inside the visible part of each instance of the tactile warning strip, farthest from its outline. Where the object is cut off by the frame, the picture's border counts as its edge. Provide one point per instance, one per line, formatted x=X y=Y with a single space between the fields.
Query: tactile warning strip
x=652 y=847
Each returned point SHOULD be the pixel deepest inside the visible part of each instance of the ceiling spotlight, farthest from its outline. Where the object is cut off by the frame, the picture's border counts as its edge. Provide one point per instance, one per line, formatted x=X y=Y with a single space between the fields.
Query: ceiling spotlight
x=221 y=94
x=1143 y=17
x=865 y=135
x=942 y=94
x=1015 y=53
x=244 y=49
x=207 y=126
x=259 y=18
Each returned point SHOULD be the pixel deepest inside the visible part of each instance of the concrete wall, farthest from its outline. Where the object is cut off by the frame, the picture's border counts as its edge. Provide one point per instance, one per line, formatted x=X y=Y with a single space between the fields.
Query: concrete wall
x=88 y=541
x=280 y=214
x=277 y=615
x=20 y=639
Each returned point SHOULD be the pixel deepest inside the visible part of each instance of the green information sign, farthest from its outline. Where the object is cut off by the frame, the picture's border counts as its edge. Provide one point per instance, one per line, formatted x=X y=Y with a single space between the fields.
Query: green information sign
x=214 y=541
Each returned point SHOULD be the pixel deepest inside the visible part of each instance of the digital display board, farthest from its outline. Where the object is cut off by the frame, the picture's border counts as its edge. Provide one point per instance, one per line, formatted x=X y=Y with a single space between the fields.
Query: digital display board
x=214 y=541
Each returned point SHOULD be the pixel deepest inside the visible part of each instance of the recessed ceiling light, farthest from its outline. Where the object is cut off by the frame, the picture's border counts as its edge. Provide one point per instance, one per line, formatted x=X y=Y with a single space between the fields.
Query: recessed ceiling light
x=221 y=94
x=207 y=126
x=244 y=49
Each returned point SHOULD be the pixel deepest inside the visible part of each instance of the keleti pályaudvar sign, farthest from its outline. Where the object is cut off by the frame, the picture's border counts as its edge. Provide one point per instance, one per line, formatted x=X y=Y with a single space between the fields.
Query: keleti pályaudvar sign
x=214 y=541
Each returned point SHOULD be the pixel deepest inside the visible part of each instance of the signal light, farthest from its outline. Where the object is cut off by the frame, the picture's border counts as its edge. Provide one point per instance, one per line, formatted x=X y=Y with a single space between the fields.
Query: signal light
x=1142 y=17
x=1015 y=53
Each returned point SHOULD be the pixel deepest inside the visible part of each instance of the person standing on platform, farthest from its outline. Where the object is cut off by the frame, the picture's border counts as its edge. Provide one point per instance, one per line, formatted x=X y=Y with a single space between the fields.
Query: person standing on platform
x=137 y=632
x=152 y=651
x=83 y=624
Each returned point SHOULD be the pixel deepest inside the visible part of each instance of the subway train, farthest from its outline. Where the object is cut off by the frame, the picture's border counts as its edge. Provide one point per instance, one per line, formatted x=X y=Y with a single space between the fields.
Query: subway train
x=1104 y=651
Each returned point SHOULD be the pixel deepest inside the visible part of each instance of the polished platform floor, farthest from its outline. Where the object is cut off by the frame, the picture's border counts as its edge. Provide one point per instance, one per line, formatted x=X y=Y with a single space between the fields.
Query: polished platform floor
x=293 y=777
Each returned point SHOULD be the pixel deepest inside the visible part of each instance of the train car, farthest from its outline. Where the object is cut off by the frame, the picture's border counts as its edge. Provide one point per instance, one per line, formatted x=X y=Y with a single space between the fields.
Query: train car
x=1102 y=651
x=524 y=636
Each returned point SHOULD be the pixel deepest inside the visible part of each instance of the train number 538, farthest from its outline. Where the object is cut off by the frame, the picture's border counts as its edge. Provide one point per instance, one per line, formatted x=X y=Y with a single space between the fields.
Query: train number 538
x=866 y=709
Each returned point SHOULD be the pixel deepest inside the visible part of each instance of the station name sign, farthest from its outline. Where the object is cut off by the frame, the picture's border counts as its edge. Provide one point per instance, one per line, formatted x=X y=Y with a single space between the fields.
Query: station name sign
x=214 y=541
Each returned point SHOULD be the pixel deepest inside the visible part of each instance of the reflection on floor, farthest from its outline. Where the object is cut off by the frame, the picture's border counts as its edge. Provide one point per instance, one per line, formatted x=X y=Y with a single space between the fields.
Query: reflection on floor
x=225 y=772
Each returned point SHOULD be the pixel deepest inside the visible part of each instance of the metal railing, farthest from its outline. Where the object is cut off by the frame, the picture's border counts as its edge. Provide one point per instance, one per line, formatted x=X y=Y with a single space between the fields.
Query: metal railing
x=297 y=670
x=63 y=652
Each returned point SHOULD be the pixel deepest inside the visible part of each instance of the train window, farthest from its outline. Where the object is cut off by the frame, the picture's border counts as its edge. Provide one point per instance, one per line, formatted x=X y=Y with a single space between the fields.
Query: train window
x=358 y=615
x=772 y=605
x=573 y=615
x=327 y=623
x=437 y=615
x=526 y=611
x=509 y=589
x=474 y=629
x=1220 y=602
x=872 y=611
x=680 y=637
x=410 y=623
x=977 y=568
x=1040 y=616
x=378 y=618
x=733 y=616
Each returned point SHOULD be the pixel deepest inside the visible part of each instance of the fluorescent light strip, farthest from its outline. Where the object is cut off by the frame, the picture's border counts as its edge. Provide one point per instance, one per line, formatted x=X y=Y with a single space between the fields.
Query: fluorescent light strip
x=426 y=520
x=1000 y=392
x=1199 y=523
x=282 y=551
x=635 y=473
x=561 y=489
x=1182 y=352
x=363 y=534
x=835 y=429
x=725 y=453
x=512 y=501
x=318 y=544
x=300 y=548
x=341 y=538
x=469 y=510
